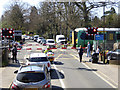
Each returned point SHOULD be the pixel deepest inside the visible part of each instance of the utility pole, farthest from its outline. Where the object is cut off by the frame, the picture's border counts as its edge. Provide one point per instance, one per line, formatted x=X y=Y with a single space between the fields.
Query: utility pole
x=104 y=31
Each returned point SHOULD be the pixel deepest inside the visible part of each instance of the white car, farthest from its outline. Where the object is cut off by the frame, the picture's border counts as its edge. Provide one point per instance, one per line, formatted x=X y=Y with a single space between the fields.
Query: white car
x=39 y=59
x=50 y=43
x=39 y=39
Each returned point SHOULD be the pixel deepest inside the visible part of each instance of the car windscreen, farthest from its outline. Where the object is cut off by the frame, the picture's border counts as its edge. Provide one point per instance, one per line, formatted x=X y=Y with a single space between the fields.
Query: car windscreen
x=61 y=38
x=50 y=41
x=44 y=41
x=38 y=59
x=40 y=38
x=26 y=77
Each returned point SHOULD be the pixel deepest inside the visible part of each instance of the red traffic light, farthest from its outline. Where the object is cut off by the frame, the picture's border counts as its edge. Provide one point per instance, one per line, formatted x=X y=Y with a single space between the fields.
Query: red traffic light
x=92 y=30
x=10 y=32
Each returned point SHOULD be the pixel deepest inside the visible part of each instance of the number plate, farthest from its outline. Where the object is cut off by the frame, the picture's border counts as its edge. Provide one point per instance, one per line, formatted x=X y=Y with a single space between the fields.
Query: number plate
x=51 y=59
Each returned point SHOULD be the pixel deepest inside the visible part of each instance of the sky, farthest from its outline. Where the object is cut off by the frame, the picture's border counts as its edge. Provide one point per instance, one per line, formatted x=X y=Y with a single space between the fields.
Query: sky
x=5 y=3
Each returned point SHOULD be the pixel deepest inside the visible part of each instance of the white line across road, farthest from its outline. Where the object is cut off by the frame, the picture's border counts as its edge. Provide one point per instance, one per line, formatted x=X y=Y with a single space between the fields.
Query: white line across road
x=95 y=73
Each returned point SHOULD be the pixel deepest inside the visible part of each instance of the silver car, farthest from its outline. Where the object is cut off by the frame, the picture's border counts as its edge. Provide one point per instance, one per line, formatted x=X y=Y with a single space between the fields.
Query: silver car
x=31 y=77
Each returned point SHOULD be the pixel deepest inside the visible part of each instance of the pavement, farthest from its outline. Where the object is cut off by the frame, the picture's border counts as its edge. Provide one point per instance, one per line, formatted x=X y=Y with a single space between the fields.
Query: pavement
x=106 y=71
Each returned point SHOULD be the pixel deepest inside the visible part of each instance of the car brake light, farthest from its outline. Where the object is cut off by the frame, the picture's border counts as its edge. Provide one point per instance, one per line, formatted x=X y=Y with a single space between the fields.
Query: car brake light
x=28 y=64
x=14 y=86
x=47 y=85
x=48 y=65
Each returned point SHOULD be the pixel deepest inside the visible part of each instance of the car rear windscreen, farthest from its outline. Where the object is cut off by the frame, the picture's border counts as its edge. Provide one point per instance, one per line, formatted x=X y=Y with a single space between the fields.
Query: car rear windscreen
x=30 y=77
x=40 y=59
x=50 y=41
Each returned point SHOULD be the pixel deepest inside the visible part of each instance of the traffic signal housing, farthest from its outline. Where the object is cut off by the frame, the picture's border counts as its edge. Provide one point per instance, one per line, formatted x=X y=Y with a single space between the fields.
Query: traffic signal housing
x=7 y=32
x=92 y=30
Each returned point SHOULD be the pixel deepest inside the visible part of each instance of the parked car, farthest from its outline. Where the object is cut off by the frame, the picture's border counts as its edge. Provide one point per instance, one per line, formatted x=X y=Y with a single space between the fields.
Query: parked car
x=50 y=43
x=39 y=39
x=39 y=59
x=31 y=77
x=114 y=55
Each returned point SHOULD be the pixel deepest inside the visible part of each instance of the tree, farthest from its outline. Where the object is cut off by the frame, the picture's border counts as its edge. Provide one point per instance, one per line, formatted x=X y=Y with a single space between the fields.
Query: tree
x=33 y=23
x=16 y=17
x=87 y=6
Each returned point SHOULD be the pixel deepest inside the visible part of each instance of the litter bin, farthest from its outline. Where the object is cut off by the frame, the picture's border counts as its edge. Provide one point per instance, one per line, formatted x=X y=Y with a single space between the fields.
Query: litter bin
x=95 y=58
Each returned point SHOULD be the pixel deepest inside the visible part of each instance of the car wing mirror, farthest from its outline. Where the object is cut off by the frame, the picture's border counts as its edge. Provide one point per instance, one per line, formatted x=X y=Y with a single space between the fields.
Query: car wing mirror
x=16 y=71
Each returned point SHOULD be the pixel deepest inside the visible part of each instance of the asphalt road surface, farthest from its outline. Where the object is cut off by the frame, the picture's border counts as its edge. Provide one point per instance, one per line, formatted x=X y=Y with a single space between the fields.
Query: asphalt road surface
x=67 y=71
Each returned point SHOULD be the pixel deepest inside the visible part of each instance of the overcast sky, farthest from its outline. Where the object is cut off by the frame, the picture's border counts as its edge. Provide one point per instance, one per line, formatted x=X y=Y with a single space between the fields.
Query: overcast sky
x=5 y=3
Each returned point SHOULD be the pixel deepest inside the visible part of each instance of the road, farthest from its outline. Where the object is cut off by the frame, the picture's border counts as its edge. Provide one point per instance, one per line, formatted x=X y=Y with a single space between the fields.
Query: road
x=67 y=71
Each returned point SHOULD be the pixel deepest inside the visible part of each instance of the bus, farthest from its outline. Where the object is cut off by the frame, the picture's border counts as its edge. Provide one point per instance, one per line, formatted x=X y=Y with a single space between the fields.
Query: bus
x=109 y=36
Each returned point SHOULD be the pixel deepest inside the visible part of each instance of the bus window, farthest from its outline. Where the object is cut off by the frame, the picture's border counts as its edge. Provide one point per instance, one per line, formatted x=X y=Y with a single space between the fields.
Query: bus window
x=118 y=36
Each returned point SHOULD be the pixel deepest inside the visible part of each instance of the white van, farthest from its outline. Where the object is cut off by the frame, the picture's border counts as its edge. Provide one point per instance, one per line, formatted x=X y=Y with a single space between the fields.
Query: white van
x=60 y=39
x=50 y=43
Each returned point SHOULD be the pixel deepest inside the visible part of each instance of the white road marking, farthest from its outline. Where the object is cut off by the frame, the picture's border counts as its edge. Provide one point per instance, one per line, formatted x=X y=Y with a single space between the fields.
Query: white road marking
x=100 y=76
x=62 y=71
x=60 y=79
x=95 y=73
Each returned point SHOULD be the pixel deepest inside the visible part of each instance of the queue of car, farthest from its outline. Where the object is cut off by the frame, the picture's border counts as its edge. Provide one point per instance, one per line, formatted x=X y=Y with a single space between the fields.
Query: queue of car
x=35 y=74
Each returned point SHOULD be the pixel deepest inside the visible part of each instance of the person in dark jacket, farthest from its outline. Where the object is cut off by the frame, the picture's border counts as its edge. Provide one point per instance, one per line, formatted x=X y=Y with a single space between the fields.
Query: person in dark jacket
x=14 y=53
x=80 y=52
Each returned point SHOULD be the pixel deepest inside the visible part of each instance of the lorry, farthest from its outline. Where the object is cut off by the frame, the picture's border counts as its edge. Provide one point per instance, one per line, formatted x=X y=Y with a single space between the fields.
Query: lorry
x=60 y=39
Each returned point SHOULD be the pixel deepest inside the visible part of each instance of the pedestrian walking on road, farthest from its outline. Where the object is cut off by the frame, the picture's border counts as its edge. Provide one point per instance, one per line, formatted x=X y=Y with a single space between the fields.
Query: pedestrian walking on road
x=14 y=53
x=80 y=52
x=88 y=50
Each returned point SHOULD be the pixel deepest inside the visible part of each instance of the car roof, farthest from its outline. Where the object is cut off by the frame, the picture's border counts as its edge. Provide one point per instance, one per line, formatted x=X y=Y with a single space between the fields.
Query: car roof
x=28 y=68
x=37 y=55
x=50 y=40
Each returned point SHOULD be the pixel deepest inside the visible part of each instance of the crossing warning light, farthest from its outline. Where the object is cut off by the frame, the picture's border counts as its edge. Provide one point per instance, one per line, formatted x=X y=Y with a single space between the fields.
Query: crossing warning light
x=92 y=30
x=7 y=32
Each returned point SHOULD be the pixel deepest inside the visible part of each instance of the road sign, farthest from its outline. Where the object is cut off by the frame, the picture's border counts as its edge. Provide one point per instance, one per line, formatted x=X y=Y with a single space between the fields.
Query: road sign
x=99 y=37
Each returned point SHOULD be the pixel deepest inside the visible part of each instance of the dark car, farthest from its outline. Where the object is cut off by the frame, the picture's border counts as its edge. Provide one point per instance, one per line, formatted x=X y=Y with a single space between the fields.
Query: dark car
x=114 y=56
